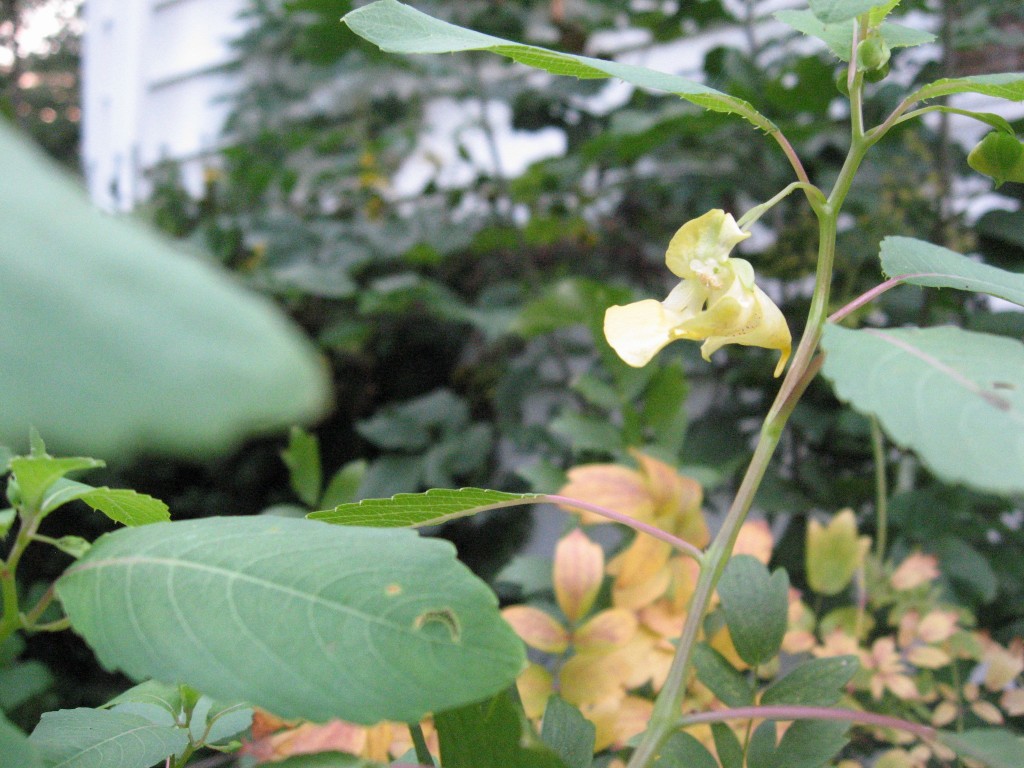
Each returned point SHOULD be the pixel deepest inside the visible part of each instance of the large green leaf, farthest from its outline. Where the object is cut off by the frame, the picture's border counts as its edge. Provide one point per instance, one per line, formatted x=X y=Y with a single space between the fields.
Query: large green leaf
x=954 y=397
x=90 y=738
x=303 y=619
x=922 y=263
x=115 y=341
x=993 y=747
x=419 y=509
x=16 y=747
x=1006 y=85
x=491 y=734
x=397 y=28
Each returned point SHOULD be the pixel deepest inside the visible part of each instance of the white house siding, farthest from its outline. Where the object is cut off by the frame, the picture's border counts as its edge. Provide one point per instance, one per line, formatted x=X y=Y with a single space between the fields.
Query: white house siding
x=152 y=90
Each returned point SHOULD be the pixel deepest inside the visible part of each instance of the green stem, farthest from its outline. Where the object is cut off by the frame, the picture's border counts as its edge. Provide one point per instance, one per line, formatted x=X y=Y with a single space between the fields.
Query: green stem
x=638 y=525
x=11 y=619
x=792 y=156
x=419 y=742
x=665 y=718
x=812 y=192
x=881 y=489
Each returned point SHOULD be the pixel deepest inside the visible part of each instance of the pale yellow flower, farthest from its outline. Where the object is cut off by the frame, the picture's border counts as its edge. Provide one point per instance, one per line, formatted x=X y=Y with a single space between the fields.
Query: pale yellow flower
x=834 y=552
x=716 y=300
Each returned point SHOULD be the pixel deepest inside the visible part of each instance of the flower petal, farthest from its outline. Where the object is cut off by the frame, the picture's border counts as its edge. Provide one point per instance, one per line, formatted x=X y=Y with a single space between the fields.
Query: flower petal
x=762 y=325
x=537 y=629
x=535 y=686
x=706 y=239
x=608 y=629
x=638 y=331
x=608 y=485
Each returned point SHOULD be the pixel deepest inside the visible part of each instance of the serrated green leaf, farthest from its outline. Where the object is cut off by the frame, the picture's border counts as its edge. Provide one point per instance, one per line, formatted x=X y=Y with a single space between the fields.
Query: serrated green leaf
x=277 y=611
x=86 y=738
x=433 y=507
x=35 y=474
x=684 y=751
x=491 y=734
x=16 y=747
x=921 y=263
x=727 y=746
x=954 y=397
x=302 y=457
x=1007 y=85
x=721 y=678
x=755 y=605
x=879 y=12
x=397 y=28
x=998 y=122
x=838 y=37
x=816 y=682
x=832 y=11
x=568 y=733
x=994 y=747
x=122 y=505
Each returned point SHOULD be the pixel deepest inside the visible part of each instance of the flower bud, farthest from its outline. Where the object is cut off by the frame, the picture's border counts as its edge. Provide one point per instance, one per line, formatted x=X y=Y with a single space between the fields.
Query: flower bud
x=1000 y=156
x=873 y=54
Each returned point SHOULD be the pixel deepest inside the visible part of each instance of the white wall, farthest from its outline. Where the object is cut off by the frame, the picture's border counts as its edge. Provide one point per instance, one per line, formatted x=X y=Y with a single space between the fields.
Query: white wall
x=151 y=90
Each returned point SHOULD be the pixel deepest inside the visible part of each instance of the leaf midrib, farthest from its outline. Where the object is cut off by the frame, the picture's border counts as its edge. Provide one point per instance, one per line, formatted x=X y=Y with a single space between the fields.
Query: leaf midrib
x=256 y=581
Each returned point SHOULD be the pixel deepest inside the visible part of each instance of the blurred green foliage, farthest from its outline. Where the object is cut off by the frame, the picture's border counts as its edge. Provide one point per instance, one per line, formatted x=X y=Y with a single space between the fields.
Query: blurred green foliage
x=462 y=320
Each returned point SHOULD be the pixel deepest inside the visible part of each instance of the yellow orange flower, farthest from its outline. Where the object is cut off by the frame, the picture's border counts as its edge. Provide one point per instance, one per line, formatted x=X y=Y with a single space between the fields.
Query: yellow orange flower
x=916 y=570
x=578 y=572
x=716 y=300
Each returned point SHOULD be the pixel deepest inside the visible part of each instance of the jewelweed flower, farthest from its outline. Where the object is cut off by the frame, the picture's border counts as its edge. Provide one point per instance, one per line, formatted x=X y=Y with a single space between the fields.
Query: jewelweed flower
x=716 y=300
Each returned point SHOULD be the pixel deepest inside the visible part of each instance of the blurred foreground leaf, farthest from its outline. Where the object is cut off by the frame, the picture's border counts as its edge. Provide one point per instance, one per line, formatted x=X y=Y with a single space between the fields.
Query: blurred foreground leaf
x=113 y=341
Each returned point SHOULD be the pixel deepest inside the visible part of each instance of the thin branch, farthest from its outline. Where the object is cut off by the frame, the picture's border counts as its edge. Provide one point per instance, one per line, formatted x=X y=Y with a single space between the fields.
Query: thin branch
x=681 y=544
x=868 y=296
x=794 y=712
